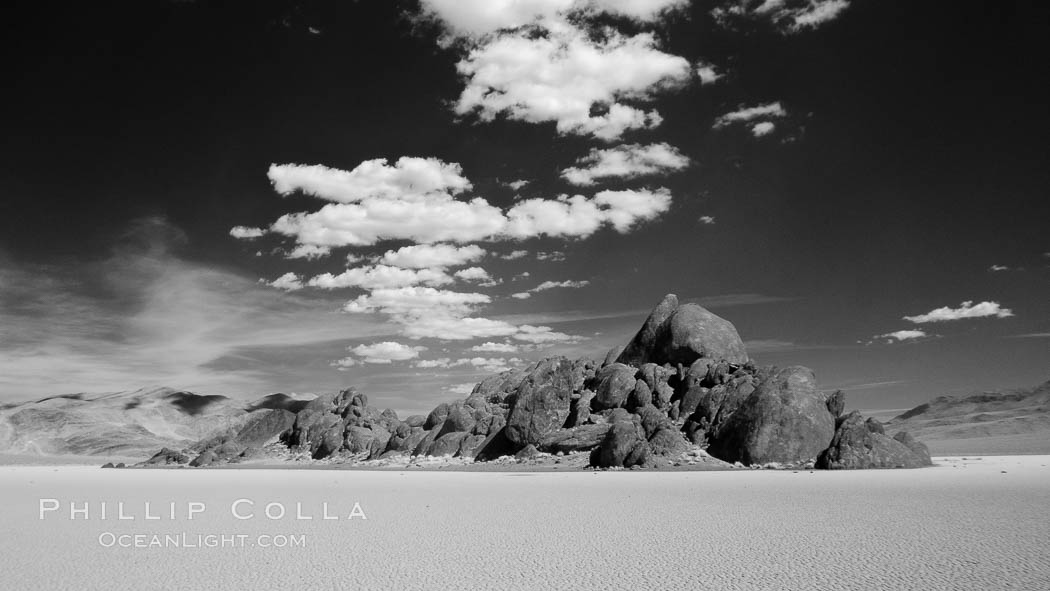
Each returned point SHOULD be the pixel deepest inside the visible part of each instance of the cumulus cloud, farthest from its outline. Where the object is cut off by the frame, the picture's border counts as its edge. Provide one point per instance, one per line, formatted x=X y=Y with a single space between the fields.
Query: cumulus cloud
x=625 y=162
x=569 y=78
x=308 y=252
x=246 y=233
x=789 y=16
x=554 y=256
x=432 y=256
x=518 y=184
x=386 y=352
x=708 y=73
x=763 y=128
x=441 y=217
x=965 y=310
x=408 y=178
x=550 y=285
x=288 y=282
x=380 y=277
x=902 y=335
x=746 y=114
x=542 y=335
x=707 y=220
x=514 y=255
x=476 y=274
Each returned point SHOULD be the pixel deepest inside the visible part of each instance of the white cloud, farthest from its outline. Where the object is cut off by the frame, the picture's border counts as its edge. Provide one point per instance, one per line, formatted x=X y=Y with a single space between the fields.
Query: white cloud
x=413 y=301
x=308 y=252
x=707 y=73
x=288 y=282
x=386 y=352
x=762 y=128
x=476 y=274
x=793 y=18
x=380 y=277
x=487 y=364
x=518 y=184
x=707 y=220
x=408 y=178
x=432 y=256
x=477 y=18
x=569 y=78
x=491 y=347
x=902 y=335
x=440 y=217
x=541 y=335
x=246 y=233
x=515 y=254
x=965 y=310
x=625 y=162
x=998 y=268
x=745 y=114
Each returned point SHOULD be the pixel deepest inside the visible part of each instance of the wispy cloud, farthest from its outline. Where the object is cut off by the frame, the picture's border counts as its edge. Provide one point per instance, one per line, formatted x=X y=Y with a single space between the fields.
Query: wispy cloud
x=902 y=335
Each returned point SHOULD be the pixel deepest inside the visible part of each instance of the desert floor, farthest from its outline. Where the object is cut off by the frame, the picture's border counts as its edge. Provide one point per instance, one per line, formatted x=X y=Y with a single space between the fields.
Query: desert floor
x=973 y=523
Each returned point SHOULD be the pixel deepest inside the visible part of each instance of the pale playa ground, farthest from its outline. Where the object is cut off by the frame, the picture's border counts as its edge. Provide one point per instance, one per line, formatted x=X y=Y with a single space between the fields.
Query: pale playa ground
x=979 y=523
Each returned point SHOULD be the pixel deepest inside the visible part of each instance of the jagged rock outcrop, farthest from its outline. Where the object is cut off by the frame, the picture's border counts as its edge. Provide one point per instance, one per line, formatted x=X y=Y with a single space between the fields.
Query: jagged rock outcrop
x=863 y=444
x=166 y=457
x=684 y=381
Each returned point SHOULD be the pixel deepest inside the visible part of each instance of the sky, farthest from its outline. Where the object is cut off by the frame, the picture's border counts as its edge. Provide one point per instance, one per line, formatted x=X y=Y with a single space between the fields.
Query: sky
x=405 y=196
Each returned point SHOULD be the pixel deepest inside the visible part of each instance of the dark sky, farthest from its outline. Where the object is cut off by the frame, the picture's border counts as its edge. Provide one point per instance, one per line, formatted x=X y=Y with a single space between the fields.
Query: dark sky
x=911 y=160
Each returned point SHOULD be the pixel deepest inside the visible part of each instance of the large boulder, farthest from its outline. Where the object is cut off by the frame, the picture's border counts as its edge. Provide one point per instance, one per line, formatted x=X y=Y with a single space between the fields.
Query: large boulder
x=641 y=348
x=165 y=457
x=917 y=447
x=862 y=444
x=614 y=383
x=784 y=420
x=692 y=332
x=681 y=334
x=624 y=446
x=541 y=402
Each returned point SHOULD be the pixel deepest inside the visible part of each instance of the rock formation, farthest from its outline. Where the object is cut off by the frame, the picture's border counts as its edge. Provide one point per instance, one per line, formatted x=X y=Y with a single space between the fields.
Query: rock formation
x=683 y=382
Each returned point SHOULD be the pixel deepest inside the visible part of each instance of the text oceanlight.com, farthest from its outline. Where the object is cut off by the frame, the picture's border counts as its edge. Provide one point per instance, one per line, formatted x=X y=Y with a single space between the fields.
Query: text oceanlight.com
x=208 y=541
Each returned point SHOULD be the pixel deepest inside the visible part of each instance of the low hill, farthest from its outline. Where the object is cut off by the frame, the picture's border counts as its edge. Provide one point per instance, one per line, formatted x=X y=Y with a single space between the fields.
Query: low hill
x=1015 y=421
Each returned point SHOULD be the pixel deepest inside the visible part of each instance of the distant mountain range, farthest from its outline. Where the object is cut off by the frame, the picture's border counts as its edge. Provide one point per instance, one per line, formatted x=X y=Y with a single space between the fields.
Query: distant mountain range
x=127 y=424
x=1000 y=422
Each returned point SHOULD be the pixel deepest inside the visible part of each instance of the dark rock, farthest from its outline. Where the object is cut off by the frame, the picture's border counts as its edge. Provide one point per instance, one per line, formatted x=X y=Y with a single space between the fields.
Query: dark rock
x=651 y=420
x=580 y=438
x=541 y=402
x=527 y=453
x=675 y=412
x=165 y=457
x=495 y=446
x=642 y=347
x=619 y=446
x=458 y=418
x=500 y=387
x=691 y=400
x=615 y=383
x=837 y=403
x=410 y=443
x=436 y=416
x=330 y=441
x=423 y=447
x=108 y=465
x=857 y=446
x=580 y=409
x=917 y=447
x=448 y=444
x=416 y=421
x=874 y=426
x=207 y=458
x=471 y=445
x=613 y=355
x=667 y=441
x=120 y=465
x=640 y=396
x=784 y=420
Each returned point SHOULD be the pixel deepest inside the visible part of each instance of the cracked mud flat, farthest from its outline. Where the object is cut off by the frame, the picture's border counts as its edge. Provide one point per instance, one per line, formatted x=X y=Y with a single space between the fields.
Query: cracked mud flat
x=969 y=523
